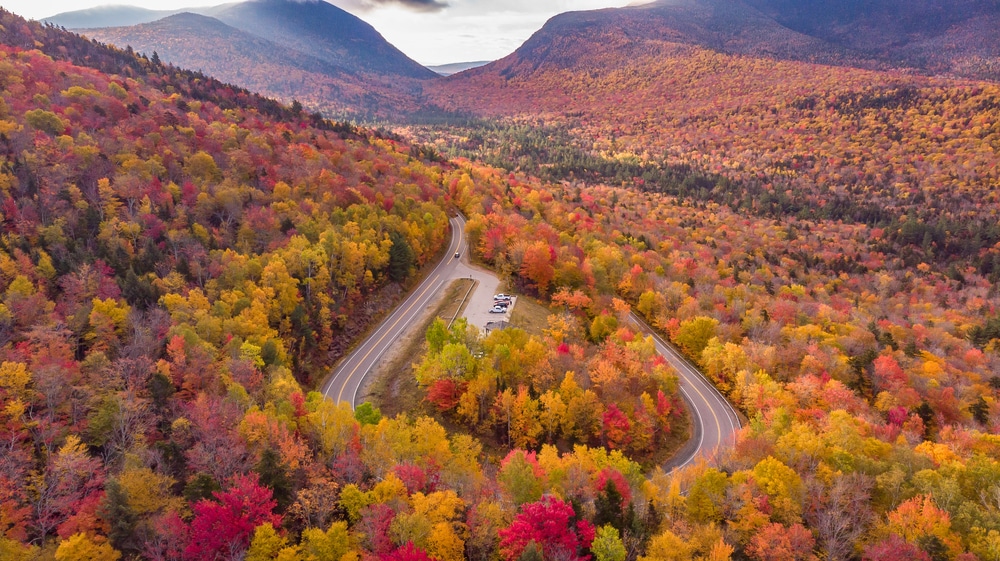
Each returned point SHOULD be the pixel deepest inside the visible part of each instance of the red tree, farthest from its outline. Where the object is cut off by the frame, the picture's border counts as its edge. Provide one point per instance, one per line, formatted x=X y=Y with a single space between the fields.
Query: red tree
x=445 y=393
x=223 y=527
x=407 y=552
x=616 y=427
x=776 y=542
x=550 y=524
x=894 y=548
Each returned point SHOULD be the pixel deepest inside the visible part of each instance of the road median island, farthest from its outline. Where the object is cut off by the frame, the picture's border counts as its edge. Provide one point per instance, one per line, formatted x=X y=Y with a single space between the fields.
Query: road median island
x=392 y=387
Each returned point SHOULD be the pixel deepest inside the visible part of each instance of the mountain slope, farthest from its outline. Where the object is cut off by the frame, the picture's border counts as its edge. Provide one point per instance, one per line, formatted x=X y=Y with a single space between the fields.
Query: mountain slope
x=120 y=15
x=107 y=16
x=721 y=25
x=792 y=137
x=363 y=76
x=208 y=45
x=324 y=31
x=957 y=36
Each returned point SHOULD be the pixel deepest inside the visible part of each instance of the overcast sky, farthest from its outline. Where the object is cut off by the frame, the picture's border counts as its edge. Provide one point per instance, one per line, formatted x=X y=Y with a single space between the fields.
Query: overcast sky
x=429 y=31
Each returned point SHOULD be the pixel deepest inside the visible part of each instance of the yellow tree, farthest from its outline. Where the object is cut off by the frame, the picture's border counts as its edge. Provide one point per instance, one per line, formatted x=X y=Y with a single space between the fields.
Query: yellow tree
x=81 y=547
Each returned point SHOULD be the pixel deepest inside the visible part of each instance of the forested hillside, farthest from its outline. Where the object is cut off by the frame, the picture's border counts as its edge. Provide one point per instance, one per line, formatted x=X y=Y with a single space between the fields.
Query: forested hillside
x=913 y=155
x=238 y=57
x=313 y=52
x=180 y=261
x=870 y=386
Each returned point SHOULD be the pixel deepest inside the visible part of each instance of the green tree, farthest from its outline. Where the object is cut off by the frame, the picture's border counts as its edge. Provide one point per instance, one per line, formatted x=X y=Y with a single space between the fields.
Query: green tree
x=401 y=257
x=121 y=518
x=274 y=475
x=437 y=335
x=607 y=545
x=368 y=414
x=694 y=334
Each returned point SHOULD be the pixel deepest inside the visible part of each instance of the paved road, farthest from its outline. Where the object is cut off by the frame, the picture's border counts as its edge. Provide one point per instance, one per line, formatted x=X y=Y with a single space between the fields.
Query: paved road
x=714 y=420
x=345 y=381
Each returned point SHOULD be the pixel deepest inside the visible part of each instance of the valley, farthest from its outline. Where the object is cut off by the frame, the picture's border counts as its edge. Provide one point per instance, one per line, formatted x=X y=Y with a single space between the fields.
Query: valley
x=776 y=220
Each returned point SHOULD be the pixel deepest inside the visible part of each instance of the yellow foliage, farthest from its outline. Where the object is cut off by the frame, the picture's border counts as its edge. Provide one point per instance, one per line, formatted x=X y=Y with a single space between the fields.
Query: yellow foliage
x=15 y=378
x=387 y=490
x=333 y=544
x=149 y=492
x=444 y=544
x=11 y=550
x=81 y=547
x=668 y=547
x=940 y=454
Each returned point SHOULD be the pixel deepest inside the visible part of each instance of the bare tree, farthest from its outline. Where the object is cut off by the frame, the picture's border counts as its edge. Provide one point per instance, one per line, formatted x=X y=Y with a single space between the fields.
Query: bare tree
x=840 y=513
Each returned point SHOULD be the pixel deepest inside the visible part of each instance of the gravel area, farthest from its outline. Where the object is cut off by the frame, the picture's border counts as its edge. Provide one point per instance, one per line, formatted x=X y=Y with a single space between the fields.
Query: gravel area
x=481 y=300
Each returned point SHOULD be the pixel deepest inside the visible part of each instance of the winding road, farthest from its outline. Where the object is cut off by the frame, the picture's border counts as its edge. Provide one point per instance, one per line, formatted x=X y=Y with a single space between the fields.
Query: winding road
x=714 y=420
x=347 y=378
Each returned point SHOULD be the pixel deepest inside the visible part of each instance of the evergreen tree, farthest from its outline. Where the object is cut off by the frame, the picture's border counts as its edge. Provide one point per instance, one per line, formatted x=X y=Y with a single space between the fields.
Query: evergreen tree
x=401 y=257
x=121 y=519
x=274 y=475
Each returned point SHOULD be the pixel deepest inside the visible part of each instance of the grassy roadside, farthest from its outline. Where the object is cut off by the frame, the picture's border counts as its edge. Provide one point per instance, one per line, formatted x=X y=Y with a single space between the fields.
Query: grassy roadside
x=388 y=298
x=394 y=389
x=530 y=315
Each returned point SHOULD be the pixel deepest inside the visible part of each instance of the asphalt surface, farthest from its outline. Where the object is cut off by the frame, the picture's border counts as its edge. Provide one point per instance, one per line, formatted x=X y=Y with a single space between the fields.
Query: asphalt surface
x=714 y=420
x=348 y=377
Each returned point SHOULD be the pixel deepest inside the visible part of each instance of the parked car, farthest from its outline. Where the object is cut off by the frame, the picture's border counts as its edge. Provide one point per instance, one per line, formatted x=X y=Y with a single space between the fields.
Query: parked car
x=501 y=296
x=498 y=310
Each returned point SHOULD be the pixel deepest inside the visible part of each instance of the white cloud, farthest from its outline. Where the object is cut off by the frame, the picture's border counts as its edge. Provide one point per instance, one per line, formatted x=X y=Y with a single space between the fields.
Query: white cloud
x=436 y=32
x=470 y=30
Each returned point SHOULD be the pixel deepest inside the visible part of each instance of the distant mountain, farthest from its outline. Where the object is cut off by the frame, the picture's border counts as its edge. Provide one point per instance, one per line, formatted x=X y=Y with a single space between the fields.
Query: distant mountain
x=729 y=26
x=210 y=46
x=107 y=16
x=121 y=16
x=314 y=52
x=324 y=31
x=945 y=36
x=456 y=67
x=960 y=37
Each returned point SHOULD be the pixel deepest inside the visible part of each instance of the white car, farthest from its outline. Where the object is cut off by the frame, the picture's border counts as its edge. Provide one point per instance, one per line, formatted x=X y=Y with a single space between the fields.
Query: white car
x=498 y=310
x=502 y=296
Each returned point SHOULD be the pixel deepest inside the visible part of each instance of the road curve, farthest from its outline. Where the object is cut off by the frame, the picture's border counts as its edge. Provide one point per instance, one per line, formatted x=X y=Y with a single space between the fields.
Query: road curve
x=347 y=378
x=714 y=420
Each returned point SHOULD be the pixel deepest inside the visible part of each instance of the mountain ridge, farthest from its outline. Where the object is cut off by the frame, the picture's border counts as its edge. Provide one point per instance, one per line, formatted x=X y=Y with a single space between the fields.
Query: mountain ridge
x=349 y=70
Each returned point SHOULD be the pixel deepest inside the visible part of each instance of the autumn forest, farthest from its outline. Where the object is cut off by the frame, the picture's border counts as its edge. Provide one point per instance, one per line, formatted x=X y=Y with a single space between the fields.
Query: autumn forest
x=183 y=261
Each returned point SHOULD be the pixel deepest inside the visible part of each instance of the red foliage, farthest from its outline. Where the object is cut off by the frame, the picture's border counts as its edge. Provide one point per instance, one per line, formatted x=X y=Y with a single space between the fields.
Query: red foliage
x=166 y=538
x=550 y=524
x=616 y=478
x=444 y=393
x=85 y=518
x=776 y=542
x=407 y=552
x=616 y=427
x=374 y=524
x=13 y=515
x=894 y=548
x=416 y=479
x=226 y=526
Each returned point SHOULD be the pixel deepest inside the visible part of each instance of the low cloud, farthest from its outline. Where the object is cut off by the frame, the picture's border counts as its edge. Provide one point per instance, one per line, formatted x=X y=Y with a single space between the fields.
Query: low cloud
x=418 y=5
